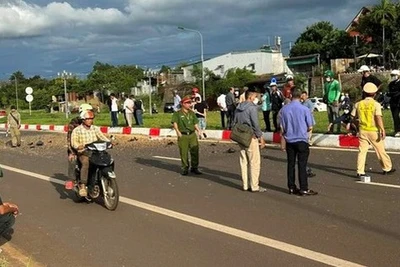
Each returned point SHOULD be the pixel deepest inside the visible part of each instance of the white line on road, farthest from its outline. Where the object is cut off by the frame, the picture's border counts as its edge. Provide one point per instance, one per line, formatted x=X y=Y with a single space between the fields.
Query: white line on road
x=380 y=184
x=160 y=157
x=265 y=241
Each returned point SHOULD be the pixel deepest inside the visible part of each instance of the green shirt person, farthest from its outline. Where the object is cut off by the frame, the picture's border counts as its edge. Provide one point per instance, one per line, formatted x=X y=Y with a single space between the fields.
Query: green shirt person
x=185 y=124
x=331 y=97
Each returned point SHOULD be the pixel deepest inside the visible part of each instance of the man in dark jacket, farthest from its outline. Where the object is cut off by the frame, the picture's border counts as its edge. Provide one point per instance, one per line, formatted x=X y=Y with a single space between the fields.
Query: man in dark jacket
x=247 y=113
x=276 y=105
x=394 y=93
x=231 y=106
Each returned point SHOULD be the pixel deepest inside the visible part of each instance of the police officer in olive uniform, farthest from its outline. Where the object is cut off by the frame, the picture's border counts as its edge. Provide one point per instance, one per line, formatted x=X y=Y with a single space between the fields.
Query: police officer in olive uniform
x=185 y=124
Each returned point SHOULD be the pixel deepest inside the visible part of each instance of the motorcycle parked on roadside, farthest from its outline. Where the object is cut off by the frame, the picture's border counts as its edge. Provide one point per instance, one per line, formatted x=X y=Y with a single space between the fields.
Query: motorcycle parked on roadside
x=102 y=181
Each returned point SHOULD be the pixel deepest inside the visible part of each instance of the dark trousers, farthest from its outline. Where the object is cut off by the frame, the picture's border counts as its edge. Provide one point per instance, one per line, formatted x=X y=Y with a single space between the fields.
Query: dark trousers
x=223 y=115
x=267 y=121
x=139 y=117
x=189 y=144
x=6 y=222
x=275 y=120
x=299 y=151
x=333 y=114
x=135 y=116
x=231 y=116
x=396 y=119
x=114 y=118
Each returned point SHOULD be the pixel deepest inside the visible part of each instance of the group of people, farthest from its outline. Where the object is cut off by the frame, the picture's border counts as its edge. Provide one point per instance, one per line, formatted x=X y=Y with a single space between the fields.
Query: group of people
x=131 y=108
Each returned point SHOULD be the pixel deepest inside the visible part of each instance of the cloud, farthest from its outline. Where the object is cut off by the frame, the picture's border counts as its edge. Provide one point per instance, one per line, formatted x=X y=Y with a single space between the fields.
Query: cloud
x=76 y=33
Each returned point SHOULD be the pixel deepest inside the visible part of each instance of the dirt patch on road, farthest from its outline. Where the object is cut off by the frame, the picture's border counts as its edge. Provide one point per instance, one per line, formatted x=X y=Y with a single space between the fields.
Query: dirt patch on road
x=50 y=144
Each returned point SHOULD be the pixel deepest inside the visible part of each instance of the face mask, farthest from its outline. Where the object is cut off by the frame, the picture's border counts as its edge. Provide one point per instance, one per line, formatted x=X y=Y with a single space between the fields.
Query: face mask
x=255 y=101
x=346 y=111
x=394 y=77
x=328 y=79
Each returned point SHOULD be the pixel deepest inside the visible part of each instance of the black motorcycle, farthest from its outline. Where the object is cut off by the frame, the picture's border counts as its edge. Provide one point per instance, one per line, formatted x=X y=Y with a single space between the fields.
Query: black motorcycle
x=102 y=179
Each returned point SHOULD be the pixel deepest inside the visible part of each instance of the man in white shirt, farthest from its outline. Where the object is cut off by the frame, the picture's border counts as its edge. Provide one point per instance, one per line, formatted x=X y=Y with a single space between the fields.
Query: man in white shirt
x=129 y=109
x=221 y=101
x=177 y=101
x=114 y=110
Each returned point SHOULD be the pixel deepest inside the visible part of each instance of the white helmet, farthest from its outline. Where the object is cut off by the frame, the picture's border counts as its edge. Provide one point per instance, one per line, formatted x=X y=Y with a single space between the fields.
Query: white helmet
x=85 y=107
x=364 y=68
x=395 y=73
x=289 y=77
x=86 y=114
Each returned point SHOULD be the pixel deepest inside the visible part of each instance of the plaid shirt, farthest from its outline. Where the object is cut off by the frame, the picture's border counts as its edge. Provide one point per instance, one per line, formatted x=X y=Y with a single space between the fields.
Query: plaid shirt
x=81 y=136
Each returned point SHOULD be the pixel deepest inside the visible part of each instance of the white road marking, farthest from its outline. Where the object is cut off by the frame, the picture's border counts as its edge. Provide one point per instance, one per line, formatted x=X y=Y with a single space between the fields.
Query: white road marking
x=160 y=157
x=265 y=241
x=380 y=184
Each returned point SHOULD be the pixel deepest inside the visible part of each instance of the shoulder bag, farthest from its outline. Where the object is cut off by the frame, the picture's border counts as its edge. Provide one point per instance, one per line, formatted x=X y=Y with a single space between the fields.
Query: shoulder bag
x=242 y=134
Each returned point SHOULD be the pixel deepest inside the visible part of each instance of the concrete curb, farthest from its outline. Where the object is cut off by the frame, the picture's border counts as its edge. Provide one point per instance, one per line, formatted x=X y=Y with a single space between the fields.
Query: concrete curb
x=321 y=140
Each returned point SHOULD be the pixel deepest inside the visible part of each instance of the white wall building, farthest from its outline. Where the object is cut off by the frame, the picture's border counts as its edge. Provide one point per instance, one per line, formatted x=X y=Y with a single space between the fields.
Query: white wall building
x=259 y=61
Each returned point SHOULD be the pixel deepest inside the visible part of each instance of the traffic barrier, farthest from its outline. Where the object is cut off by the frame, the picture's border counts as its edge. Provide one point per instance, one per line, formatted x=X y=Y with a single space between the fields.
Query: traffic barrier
x=320 y=140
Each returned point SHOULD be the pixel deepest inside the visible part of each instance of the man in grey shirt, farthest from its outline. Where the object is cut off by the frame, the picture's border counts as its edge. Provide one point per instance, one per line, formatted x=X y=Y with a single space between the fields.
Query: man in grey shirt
x=246 y=113
x=231 y=106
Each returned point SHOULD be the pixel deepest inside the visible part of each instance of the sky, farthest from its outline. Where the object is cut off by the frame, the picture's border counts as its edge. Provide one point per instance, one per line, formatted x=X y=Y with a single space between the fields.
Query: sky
x=43 y=37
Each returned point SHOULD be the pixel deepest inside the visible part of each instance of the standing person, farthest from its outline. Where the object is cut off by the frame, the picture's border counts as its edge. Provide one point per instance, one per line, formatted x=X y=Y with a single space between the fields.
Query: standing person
x=367 y=77
x=185 y=124
x=394 y=93
x=200 y=108
x=221 y=102
x=296 y=123
x=332 y=95
x=8 y=212
x=139 y=111
x=114 y=110
x=82 y=135
x=266 y=107
x=242 y=97
x=276 y=105
x=195 y=93
x=14 y=124
x=231 y=106
x=288 y=88
x=305 y=101
x=250 y=159
x=371 y=130
x=177 y=101
x=129 y=106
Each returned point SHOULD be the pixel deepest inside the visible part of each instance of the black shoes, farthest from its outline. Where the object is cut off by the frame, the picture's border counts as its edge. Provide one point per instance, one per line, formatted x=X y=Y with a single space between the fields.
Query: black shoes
x=195 y=171
x=298 y=192
x=389 y=172
x=192 y=170
x=308 y=193
x=294 y=191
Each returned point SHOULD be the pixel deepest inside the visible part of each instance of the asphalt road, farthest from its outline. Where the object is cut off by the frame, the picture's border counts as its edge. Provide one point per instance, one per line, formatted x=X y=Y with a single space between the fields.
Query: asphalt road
x=349 y=221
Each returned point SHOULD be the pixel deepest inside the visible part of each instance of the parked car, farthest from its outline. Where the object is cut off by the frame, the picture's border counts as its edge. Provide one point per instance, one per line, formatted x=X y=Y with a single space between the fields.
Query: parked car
x=319 y=105
x=169 y=108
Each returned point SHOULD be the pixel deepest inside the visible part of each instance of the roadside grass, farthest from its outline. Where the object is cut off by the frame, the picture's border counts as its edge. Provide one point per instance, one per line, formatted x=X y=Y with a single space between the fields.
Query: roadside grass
x=163 y=120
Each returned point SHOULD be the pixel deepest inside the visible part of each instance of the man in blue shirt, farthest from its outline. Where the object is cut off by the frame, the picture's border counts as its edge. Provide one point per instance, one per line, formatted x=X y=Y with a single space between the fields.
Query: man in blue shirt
x=296 y=123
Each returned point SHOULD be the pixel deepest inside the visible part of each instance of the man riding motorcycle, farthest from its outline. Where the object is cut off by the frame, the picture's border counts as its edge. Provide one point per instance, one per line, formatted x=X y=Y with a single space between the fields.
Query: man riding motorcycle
x=82 y=135
x=72 y=154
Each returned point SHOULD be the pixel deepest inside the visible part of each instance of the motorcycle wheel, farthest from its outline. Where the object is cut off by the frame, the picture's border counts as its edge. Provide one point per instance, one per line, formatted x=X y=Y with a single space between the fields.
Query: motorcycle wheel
x=110 y=193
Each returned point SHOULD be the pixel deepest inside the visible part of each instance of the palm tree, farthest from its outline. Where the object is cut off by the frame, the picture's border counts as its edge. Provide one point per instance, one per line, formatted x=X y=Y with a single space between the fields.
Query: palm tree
x=384 y=13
